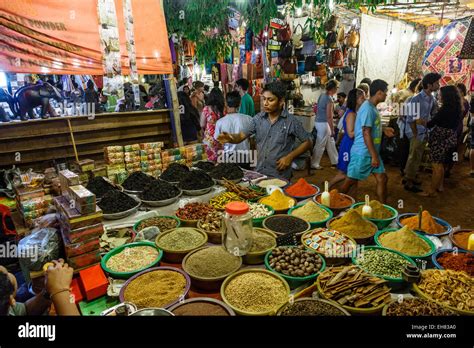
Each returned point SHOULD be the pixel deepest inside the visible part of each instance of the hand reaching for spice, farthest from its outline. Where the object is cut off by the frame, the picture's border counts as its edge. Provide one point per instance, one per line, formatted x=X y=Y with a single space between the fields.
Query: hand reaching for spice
x=284 y=163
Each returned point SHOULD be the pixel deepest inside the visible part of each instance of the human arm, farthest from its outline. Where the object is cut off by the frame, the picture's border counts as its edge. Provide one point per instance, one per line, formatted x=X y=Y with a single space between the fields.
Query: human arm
x=350 y=123
x=235 y=138
x=330 y=116
x=37 y=305
x=304 y=137
x=58 y=282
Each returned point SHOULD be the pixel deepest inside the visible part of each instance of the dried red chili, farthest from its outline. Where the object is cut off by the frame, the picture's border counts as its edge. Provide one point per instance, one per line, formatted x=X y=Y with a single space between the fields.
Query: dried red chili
x=194 y=211
x=458 y=262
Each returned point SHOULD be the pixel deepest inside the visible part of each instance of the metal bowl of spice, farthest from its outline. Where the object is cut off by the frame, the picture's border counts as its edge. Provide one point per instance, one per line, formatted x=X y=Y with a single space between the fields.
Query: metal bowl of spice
x=383 y=263
x=456 y=260
x=178 y=242
x=117 y=205
x=263 y=241
x=209 y=266
x=307 y=306
x=255 y=292
x=164 y=223
x=201 y=306
x=214 y=227
x=282 y=224
x=460 y=238
x=430 y=225
x=130 y=259
x=158 y=287
x=295 y=264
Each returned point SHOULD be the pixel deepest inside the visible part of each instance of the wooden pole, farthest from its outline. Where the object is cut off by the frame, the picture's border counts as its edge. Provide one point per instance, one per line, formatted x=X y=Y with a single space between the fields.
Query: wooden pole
x=72 y=139
x=172 y=96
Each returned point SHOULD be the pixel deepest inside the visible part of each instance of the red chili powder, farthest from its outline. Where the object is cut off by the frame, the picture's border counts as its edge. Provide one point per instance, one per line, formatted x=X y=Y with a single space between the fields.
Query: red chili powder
x=301 y=188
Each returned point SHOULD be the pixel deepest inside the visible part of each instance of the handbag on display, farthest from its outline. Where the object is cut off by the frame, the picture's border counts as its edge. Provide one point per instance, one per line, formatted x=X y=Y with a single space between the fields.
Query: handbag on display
x=352 y=55
x=284 y=34
x=331 y=40
x=311 y=63
x=353 y=38
x=297 y=37
x=289 y=65
x=320 y=70
x=308 y=48
x=286 y=50
x=301 y=65
x=331 y=23
x=336 y=59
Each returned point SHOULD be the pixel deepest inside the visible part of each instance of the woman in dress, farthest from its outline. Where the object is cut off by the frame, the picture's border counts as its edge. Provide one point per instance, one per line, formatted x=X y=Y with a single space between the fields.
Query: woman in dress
x=213 y=111
x=354 y=100
x=442 y=135
x=189 y=117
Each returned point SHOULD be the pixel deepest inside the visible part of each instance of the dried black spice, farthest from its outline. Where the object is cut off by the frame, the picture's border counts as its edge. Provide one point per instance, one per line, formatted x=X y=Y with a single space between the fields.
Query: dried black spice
x=137 y=181
x=159 y=190
x=310 y=308
x=99 y=186
x=175 y=172
x=205 y=165
x=196 y=180
x=286 y=224
x=116 y=202
x=230 y=171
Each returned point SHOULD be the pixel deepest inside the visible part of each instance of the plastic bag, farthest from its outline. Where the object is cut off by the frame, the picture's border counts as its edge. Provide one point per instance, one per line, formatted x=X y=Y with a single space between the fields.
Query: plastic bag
x=47 y=221
x=39 y=247
x=147 y=234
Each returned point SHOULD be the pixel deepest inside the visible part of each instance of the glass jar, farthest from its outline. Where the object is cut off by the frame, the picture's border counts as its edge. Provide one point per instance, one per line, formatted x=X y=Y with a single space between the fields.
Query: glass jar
x=238 y=234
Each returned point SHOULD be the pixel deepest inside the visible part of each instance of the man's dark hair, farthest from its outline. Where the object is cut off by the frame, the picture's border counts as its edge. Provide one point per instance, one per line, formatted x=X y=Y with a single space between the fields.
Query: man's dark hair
x=332 y=84
x=413 y=85
x=378 y=85
x=462 y=88
x=429 y=79
x=277 y=88
x=243 y=83
x=366 y=80
x=198 y=84
x=233 y=99
x=207 y=88
x=216 y=101
x=6 y=290
x=342 y=95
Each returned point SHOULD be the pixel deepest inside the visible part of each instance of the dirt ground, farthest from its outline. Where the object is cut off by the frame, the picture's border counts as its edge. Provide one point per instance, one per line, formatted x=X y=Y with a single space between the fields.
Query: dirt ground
x=455 y=204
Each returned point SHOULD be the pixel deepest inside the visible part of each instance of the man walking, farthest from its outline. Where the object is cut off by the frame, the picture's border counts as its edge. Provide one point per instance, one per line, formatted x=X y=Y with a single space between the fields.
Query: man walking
x=247 y=106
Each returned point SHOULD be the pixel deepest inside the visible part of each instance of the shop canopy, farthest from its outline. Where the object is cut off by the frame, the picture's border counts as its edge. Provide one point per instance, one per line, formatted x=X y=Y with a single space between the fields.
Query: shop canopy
x=62 y=37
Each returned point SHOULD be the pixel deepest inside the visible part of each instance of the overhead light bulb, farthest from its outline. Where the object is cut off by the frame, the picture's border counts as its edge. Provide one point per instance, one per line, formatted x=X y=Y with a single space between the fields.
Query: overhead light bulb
x=354 y=21
x=394 y=90
x=257 y=52
x=265 y=33
x=267 y=70
x=440 y=33
x=414 y=37
x=143 y=80
x=431 y=36
x=452 y=34
x=299 y=11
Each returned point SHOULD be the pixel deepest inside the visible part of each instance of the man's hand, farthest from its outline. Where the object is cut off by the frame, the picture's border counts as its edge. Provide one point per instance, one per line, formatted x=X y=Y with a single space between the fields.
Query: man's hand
x=375 y=162
x=389 y=132
x=224 y=138
x=58 y=277
x=284 y=163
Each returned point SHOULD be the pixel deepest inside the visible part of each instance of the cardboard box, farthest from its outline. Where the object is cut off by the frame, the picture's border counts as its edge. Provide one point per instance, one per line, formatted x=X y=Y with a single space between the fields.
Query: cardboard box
x=82 y=196
x=84 y=260
x=81 y=247
x=99 y=171
x=84 y=166
x=72 y=217
x=76 y=291
x=67 y=179
x=36 y=203
x=94 y=282
x=26 y=193
x=81 y=234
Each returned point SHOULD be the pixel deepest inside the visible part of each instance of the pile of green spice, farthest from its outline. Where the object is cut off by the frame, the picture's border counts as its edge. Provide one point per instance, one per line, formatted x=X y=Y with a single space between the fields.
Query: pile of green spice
x=212 y=262
x=181 y=239
x=311 y=308
x=382 y=263
x=262 y=241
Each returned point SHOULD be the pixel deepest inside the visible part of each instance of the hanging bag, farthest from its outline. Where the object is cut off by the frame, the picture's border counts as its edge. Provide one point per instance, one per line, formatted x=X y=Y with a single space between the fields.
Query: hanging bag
x=297 y=37
x=336 y=59
x=331 y=40
x=289 y=65
x=341 y=35
x=284 y=34
x=320 y=70
x=308 y=48
x=353 y=38
x=286 y=51
x=311 y=63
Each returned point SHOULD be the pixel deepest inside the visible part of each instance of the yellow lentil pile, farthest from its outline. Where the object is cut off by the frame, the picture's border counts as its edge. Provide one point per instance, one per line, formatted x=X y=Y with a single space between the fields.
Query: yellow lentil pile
x=311 y=212
x=256 y=292
x=155 y=289
x=278 y=201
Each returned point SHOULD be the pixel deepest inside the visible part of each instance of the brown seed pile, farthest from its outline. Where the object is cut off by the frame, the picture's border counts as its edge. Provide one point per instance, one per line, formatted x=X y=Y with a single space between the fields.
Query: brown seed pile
x=295 y=261
x=155 y=289
x=199 y=309
x=256 y=292
x=311 y=308
x=163 y=223
x=417 y=307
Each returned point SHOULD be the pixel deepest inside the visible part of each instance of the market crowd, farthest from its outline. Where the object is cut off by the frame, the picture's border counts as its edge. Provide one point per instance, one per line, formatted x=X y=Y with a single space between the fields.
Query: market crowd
x=429 y=128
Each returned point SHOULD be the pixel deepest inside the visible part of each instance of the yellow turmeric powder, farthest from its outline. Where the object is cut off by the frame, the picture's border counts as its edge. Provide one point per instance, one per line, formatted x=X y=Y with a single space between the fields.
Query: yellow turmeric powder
x=278 y=201
x=428 y=224
x=405 y=241
x=354 y=225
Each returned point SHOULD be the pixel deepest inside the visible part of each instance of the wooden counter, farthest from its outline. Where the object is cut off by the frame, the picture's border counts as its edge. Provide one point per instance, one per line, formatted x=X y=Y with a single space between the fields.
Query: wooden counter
x=35 y=143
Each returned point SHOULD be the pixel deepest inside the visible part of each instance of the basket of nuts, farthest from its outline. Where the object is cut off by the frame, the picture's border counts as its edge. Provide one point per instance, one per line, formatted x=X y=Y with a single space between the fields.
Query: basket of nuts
x=295 y=264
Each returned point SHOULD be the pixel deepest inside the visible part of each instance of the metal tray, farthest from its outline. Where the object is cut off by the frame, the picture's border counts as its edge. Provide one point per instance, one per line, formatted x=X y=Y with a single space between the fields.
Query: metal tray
x=121 y=215
x=163 y=202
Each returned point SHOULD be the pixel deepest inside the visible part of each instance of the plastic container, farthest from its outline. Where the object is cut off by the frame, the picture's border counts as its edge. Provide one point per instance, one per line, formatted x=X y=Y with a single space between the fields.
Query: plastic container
x=381 y=223
x=315 y=224
x=446 y=225
x=427 y=240
x=237 y=235
x=295 y=282
x=125 y=275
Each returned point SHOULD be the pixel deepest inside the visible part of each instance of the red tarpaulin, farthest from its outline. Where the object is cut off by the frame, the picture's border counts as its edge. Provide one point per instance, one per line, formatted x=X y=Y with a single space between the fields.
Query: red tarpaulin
x=62 y=37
